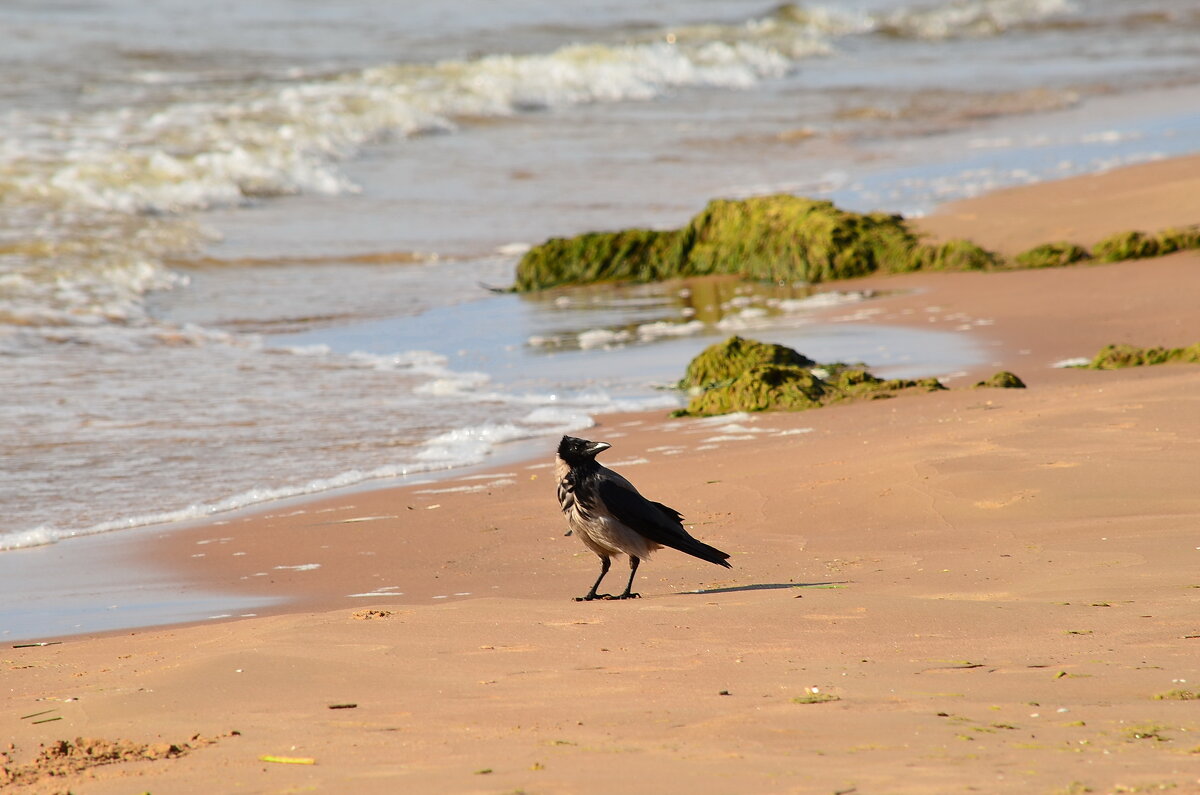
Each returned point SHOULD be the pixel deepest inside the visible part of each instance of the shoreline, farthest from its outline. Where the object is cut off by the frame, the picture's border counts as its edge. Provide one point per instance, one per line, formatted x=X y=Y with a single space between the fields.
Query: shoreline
x=966 y=302
x=972 y=588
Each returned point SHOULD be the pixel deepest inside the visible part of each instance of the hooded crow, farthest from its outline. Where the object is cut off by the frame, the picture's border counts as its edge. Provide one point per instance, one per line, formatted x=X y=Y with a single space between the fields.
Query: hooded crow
x=611 y=517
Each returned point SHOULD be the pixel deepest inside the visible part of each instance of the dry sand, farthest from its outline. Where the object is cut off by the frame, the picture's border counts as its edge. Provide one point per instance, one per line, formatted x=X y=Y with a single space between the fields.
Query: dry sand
x=976 y=590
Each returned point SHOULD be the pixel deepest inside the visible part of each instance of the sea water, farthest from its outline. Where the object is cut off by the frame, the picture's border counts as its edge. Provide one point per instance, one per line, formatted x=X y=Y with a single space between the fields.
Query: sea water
x=245 y=247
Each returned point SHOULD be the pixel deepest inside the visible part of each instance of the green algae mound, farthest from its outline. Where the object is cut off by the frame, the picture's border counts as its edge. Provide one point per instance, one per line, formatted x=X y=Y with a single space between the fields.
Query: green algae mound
x=764 y=388
x=639 y=255
x=789 y=381
x=1114 y=248
x=1052 y=255
x=1114 y=357
x=787 y=238
x=726 y=360
x=1140 y=245
x=953 y=255
x=793 y=239
x=1126 y=245
x=1002 y=380
x=770 y=238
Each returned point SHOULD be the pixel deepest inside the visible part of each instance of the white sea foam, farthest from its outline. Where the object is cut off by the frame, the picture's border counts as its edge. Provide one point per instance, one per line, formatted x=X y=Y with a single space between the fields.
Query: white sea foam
x=737 y=427
x=469 y=444
x=426 y=362
x=469 y=489
x=387 y=590
x=513 y=249
x=602 y=338
x=743 y=320
x=454 y=384
x=823 y=299
x=473 y=443
x=967 y=17
x=559 y=417
x=1077 y=361
x=651 y=331
x=724 y=419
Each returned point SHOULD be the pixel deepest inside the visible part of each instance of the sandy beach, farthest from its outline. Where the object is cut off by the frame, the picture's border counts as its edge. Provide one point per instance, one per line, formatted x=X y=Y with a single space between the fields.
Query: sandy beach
x=967 y=591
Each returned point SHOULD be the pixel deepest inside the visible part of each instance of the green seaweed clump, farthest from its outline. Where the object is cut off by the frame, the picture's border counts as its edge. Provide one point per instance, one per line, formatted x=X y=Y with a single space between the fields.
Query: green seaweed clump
x=1002 y=380
x=726 y=360
x=780 y=385
x=953 y=255
x=764 y=388
x=1126 y=245
x=1052 y=255
x=788 y=238
x=771 y=238
x=1139 y=245
x=639 y=255
x=1175 y=239
x=1114 y=357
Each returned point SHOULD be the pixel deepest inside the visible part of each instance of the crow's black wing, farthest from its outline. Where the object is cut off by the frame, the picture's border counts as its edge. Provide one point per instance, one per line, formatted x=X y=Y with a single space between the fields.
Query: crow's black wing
x=655 y=521
x=671 y=514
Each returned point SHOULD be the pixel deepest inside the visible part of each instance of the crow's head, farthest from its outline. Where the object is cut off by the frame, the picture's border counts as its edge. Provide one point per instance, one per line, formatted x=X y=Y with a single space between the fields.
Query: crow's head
x=577 y=451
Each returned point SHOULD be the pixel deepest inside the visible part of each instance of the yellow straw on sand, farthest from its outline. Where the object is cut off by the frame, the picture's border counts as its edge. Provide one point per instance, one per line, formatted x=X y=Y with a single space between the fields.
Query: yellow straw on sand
x=289 y=760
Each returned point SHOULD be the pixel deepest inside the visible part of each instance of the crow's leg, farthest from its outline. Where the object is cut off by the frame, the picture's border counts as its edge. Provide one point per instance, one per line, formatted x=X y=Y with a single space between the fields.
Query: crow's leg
x=604 y=564
x=633 y=564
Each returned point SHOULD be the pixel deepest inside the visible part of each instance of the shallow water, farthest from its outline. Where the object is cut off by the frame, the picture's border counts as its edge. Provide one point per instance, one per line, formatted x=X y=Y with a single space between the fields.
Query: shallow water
x=95 y=585
x=241 y=247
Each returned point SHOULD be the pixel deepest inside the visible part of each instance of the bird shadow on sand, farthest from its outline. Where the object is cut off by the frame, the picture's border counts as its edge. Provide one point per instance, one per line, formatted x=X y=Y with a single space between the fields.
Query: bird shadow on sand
x=768 y=586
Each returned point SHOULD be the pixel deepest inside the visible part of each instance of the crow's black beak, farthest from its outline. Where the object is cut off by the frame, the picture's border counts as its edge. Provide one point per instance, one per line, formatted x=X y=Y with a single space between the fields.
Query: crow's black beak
x=597 y=447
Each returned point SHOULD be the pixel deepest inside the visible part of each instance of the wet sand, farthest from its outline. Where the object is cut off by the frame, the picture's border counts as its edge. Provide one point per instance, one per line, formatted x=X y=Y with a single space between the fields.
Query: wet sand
x=973 y=590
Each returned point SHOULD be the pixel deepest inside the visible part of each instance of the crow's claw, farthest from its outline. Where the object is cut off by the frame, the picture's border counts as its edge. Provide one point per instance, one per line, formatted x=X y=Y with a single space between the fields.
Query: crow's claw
x=593 y=596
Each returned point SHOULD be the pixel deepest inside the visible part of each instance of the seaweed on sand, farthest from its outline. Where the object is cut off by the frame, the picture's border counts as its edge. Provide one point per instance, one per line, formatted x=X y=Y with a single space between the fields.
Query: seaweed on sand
x=788 y=238
x=747 y=375
x=1113 y=357
x=726 y=360
x=1002 y=380
x=772 y=238
x=1052 y=255
x=1140 y=245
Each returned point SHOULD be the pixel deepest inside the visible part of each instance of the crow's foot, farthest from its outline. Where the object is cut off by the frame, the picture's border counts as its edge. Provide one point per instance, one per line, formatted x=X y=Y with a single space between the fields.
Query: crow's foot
x=593 y=596
x=628 y=595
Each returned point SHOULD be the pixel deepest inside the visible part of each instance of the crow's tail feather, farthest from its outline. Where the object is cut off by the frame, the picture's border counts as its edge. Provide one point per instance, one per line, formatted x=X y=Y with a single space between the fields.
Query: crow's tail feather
x=699 y=549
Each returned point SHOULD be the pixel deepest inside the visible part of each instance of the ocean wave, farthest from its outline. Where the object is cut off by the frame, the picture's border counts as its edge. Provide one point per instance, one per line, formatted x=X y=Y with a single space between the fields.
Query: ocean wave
x=43 y=535
x=94 y=197
x=967 y=18
x=207 y=148
x=96 y=200
x=452 y=449
x=375 y=416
